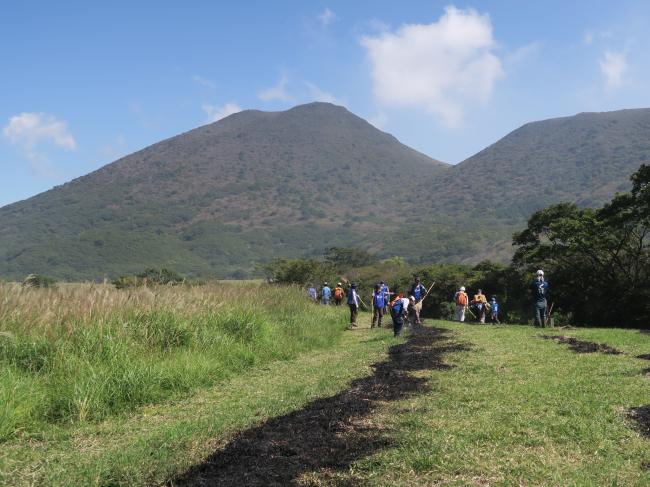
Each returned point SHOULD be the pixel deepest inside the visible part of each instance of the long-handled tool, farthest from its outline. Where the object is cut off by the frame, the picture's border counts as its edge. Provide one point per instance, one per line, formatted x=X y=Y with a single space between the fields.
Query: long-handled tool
x=428 y=291
x=547 y=320
x=361 y=301
x=470 y=312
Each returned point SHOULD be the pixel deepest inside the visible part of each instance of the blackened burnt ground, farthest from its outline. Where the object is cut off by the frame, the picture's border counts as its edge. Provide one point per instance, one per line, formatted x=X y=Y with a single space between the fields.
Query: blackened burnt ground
x=641 y=416
x=582 y=346
x=331 y=433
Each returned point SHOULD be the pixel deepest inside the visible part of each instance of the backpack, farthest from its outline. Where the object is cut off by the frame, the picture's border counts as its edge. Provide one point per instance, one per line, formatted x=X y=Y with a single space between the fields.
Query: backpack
x=396 y=307
x=338 y=293
x=461 y=299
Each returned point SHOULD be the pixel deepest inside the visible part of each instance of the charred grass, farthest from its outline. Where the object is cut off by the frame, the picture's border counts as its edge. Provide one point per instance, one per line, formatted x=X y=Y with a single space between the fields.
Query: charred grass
x=331 y=433
x=466 y=406
x=583 y=346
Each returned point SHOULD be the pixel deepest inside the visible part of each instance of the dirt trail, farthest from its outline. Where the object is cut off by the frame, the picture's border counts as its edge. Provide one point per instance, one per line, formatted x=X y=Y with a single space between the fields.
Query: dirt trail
x=328 y=434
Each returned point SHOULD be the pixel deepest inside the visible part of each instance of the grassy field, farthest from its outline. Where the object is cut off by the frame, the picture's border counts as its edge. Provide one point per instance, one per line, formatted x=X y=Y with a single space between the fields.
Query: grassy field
x=450 y=405
x=73 y=354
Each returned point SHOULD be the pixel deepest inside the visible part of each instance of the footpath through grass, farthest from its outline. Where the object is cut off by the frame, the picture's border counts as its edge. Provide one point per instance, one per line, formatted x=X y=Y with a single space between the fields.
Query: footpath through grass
x=456 y=405
x=521 y=410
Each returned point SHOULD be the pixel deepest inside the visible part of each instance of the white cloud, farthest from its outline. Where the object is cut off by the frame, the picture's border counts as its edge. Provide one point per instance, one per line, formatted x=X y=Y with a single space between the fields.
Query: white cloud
x=202 y=81
x=442 y=67
x=30 y=129
x=523 y=54
x=613 y=66
x=316 y=94
x=327 y=17
x=215 y=113
x=277 y=92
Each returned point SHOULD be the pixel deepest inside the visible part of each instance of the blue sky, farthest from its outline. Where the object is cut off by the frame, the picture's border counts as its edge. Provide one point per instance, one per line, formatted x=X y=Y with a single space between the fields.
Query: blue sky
x=83 y=83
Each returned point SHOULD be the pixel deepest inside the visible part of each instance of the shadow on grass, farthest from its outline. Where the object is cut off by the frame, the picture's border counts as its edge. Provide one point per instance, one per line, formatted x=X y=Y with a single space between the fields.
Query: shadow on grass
x=328 y=434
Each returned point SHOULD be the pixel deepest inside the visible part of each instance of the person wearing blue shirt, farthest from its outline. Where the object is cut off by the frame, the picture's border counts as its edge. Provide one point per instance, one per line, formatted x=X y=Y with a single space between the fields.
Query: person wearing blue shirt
x=539 y=290
x=384 y=289
x=378 y=305
x=325 y=294
x=494 y=308
x=313 y=294
x=418 y=292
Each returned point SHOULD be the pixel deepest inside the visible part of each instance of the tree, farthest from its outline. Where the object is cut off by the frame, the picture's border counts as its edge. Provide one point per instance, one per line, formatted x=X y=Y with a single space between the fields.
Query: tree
x=346 y=258
x=599 y=259
x=298 y=271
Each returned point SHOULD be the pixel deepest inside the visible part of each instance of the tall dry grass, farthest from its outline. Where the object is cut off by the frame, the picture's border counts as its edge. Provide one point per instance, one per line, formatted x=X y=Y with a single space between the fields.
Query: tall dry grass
x=86 y=351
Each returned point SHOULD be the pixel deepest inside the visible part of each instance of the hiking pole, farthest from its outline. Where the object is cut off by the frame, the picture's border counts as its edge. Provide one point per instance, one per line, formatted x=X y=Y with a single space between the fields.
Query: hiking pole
x=547 y=320
x=470 y=312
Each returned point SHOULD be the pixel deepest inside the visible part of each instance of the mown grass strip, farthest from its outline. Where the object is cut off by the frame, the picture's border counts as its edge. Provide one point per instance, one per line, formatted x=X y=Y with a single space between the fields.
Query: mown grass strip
x=520 y=410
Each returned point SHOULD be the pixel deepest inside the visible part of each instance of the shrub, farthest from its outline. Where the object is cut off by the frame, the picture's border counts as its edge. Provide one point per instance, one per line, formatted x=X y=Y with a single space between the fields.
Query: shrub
x=36 y=280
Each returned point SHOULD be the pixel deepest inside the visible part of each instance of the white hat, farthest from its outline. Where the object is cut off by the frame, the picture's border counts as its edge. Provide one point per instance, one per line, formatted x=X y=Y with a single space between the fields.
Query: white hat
x=540 y=272
x=462 y=288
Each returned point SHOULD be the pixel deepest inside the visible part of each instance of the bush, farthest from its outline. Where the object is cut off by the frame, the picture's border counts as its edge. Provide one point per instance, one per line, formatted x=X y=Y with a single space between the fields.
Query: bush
x=36 y=280
x=150 y=277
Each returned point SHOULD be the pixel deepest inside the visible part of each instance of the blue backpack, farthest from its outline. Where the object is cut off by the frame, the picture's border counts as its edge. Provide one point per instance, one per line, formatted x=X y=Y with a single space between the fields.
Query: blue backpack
x=396 y=308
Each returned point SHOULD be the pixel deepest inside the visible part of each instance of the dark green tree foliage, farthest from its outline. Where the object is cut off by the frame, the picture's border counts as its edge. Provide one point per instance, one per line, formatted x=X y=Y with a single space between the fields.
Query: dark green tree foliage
x=150 y=276
x=299 y=271
x=344 y=258
x=598 y=259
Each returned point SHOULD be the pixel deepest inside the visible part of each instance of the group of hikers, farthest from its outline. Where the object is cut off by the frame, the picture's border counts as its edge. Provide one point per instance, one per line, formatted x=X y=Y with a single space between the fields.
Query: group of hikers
x=405 y=307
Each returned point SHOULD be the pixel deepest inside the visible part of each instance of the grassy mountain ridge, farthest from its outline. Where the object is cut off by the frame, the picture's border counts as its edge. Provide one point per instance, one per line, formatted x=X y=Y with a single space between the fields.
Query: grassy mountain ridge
x=256 y=185
x=585 y=159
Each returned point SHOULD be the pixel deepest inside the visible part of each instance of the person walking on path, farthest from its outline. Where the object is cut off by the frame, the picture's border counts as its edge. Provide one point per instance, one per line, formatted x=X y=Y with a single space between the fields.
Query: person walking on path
x=462 y=301
x=398 y=310
x=494 y=308
x=325 y=294
x=378 y=305
x=480 y=303
x=339 y=294
x=353 y=303
x=418 y=291
x=313 y=294
x=384 y=289
x=539 y=289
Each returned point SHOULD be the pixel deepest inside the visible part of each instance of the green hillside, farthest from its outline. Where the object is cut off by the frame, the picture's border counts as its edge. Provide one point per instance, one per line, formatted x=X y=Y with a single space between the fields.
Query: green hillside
x=583 y=159
x=221 y=198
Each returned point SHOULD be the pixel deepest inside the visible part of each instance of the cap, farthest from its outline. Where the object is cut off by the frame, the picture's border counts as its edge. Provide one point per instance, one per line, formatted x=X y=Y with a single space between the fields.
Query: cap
x=540 y=272
x=462 y=288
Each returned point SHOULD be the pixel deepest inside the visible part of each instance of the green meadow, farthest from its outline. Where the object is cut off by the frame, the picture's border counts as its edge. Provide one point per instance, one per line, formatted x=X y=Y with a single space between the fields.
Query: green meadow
x=242 y=385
